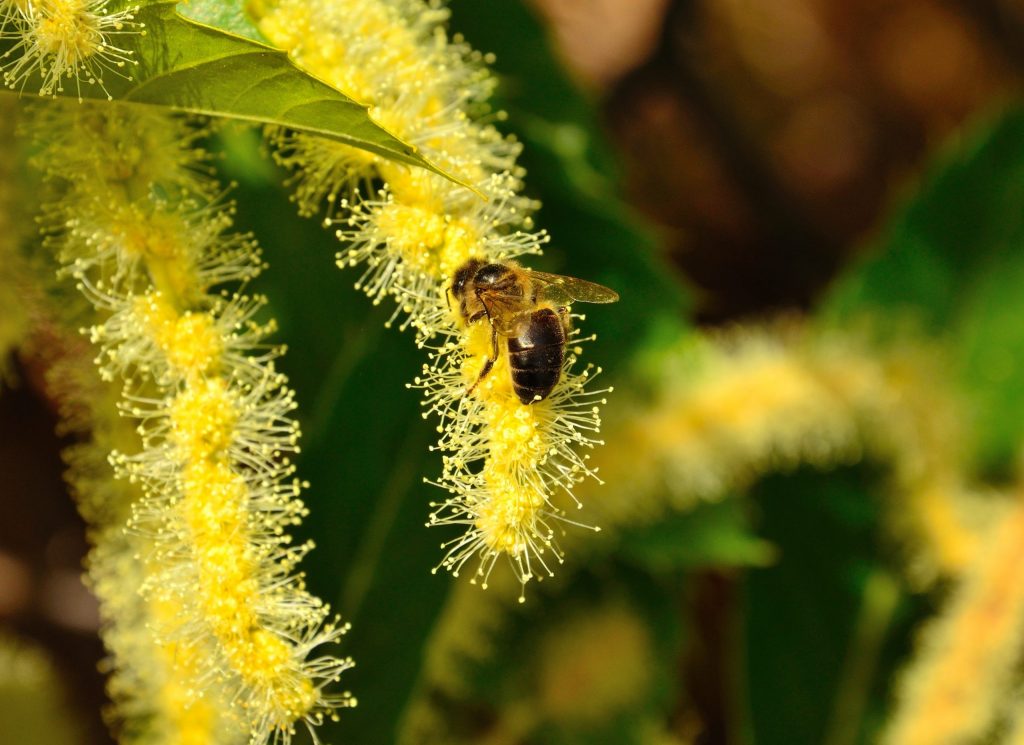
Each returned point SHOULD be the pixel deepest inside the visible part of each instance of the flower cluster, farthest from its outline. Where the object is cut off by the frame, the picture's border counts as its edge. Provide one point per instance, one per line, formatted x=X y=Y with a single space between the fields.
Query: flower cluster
x=148 y=243
x=411 y=231
x=58 y=40
x=150 y=679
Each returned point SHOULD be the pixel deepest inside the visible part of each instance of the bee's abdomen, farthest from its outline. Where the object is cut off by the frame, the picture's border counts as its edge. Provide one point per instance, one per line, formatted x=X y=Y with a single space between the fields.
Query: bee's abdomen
x=535 y=356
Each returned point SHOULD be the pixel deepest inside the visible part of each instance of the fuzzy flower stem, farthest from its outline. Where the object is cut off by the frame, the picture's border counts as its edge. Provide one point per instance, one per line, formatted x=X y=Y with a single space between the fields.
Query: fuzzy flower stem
x=757 y=401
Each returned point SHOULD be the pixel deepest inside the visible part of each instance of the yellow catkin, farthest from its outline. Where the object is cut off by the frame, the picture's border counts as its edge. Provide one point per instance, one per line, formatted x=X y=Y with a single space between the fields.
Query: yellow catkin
x=765 y=400
x=215 y=511
x=503 y=460
x=145 y=676
x=151 y=683
x=151 y=251
x=968 y=655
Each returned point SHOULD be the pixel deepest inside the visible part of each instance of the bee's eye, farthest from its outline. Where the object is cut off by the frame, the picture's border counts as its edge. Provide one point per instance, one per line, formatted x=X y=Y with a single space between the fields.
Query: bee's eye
x=463 y=275
x=490 y=274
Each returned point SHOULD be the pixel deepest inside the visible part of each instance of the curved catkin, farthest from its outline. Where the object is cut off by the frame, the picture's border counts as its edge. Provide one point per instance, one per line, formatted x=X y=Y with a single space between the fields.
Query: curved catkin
x=503 y=461
x=150 y=682
x=724 y=411
x=716 y=415
x=150 y=250
x=411 y=234
x=969 y=654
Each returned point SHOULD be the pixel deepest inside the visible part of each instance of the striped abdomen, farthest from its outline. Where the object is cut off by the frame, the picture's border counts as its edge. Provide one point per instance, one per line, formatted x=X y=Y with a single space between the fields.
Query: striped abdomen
x=536 y=355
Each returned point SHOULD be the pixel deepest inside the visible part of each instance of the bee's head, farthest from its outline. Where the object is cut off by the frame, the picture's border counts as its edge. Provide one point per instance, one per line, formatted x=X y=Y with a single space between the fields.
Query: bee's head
x=463 y=275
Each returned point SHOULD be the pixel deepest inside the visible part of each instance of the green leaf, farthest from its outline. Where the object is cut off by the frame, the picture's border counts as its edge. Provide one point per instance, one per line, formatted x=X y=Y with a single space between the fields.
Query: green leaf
x=226 y=15
x=711 y=535
x=191 y=67
x=815 y=625
x=966 y=217
x=951 y=265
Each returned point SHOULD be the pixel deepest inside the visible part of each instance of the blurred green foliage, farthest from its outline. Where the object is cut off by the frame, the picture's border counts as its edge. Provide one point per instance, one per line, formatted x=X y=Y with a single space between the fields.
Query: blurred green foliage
x=33 y=706
x=949 y=266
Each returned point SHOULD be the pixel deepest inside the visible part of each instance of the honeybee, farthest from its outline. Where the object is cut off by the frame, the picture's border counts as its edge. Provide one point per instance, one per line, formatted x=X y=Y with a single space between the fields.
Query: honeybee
x=528 y=308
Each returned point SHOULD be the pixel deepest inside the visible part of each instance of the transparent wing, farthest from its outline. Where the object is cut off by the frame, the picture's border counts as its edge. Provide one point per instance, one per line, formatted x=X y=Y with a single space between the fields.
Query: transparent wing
x=564 y=290
x=507 y=313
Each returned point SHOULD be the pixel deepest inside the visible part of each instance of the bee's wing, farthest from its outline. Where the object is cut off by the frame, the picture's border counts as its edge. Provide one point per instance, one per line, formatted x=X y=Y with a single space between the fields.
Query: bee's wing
x=562 y=290
x=506 y=313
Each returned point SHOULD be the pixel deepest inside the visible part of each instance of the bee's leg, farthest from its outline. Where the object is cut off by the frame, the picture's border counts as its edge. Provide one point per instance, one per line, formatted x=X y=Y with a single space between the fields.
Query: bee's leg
x=489 y=363
x=486 y=311
x=565 y=318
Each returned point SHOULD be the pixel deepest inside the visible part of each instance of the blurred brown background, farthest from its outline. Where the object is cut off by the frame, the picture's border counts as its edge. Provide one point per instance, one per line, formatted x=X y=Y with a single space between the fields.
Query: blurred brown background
x=766 y=137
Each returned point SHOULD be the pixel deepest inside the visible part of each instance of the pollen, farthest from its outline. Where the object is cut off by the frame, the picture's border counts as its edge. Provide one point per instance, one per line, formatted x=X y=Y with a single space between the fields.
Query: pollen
x=203 y=419
x=215 y=498
x=463 y=242
x=416 y=233
x=511 y=427
x=191 y=341
x=503 y=518
x=192 y=721
x=476 y=345
x=415 y=186
x=268 y=656
x=69 y=31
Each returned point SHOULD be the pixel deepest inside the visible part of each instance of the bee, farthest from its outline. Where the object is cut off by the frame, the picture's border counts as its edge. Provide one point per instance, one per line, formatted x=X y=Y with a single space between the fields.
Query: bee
x=528 y=308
